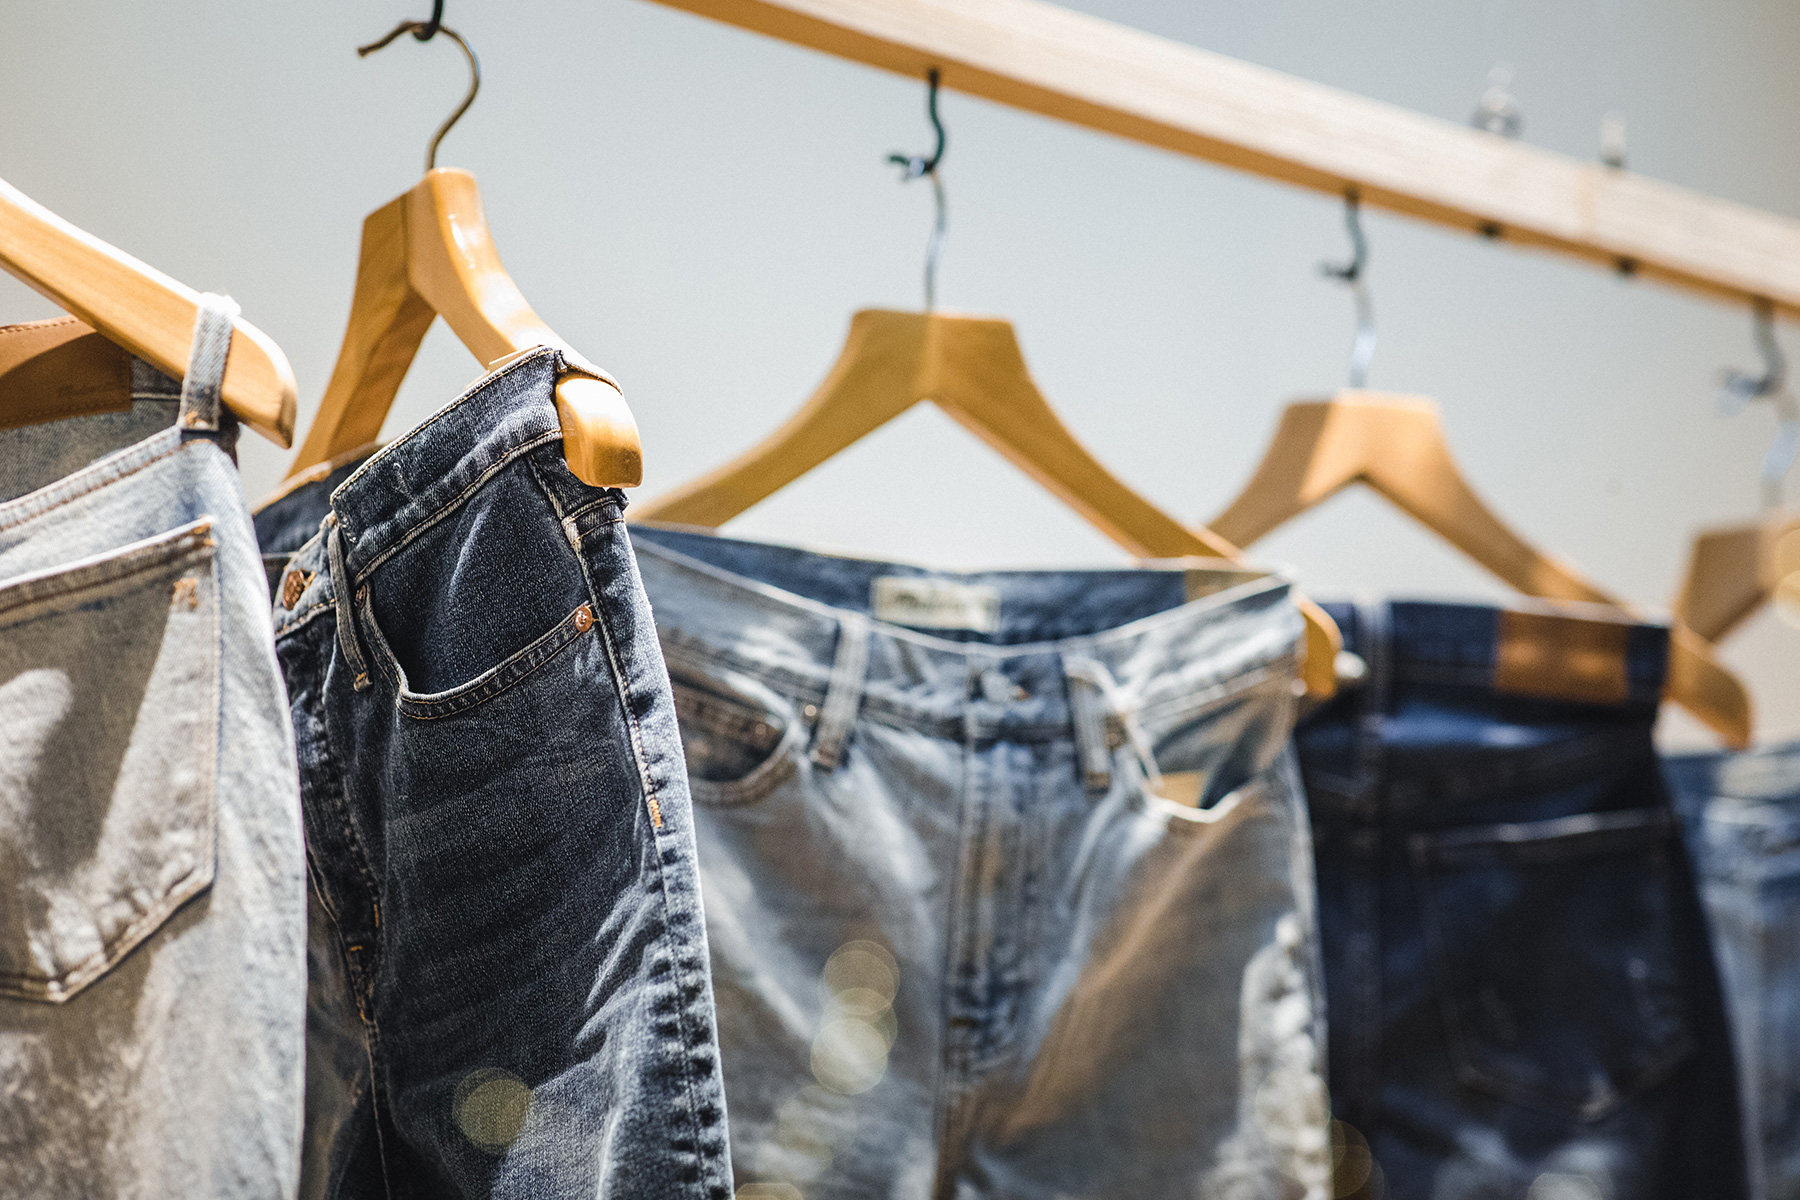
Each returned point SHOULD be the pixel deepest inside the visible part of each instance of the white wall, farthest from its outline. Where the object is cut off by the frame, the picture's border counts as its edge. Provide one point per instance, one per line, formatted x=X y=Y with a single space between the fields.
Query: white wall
x=700 y=209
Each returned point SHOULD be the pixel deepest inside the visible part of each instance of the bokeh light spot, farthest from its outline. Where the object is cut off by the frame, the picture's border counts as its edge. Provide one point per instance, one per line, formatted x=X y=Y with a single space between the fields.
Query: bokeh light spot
x=490 y=1108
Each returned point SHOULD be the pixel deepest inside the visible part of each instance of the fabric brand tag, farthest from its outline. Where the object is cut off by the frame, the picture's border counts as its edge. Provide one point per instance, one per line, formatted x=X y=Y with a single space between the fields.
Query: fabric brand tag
x=935 y=603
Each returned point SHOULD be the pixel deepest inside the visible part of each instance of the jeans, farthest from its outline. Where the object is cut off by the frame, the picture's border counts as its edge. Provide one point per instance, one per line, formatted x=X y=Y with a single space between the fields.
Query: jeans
x=1522 y=996
x=152 y=899
x=1743 y=820
x=510 y=994
x=287 y=520
x=1007 y=875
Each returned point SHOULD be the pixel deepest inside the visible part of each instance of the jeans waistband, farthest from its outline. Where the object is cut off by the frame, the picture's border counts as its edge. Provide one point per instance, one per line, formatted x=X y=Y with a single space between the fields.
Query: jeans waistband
x=1463 y=705
x=1770 y=775
x=429 y=471
x=1037 y=654
x=1578 y=653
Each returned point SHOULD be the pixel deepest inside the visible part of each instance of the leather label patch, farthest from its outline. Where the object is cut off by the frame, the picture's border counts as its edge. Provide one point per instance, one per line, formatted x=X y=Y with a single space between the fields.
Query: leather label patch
x=1558 y=657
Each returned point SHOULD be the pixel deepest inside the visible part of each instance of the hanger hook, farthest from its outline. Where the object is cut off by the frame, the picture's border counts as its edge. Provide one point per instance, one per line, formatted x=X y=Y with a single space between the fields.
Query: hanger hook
x=424 y=31
x=916 y=166
x=1355 y=273
x=432 y=26
x=1741 y=387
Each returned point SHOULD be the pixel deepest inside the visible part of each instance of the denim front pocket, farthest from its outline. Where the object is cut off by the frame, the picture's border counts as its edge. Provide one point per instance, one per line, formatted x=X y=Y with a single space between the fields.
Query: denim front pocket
x=739 y=738
x=481 y=596
x=496 y=679
x=109 y=744
x=1558 y=956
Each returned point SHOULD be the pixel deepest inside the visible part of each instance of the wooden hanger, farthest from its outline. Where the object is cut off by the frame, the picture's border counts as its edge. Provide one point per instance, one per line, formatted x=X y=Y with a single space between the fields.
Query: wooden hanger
x=972 y=369
x=1396 y=446
x=138 y=309
x=427 y=254
x=1734 y=570
x=60 y=368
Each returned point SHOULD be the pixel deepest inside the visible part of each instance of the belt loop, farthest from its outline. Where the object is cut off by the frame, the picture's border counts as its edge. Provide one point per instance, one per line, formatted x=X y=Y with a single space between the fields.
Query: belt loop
x=1094 y=695
x=207 y=354
x=843 y=695
x=346 y=611
x=1087 y=713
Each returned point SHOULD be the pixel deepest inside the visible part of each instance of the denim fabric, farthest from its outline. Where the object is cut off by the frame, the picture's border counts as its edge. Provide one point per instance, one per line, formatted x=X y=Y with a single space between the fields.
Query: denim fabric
x=1742 y=815
x=510 y=993
x=152 y=900
x=1521 y=994
x=1016 y=905
x=288 y=519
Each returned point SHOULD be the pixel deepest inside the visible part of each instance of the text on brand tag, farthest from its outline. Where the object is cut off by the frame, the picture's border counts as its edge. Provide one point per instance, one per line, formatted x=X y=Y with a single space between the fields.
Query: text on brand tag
x=935 y=603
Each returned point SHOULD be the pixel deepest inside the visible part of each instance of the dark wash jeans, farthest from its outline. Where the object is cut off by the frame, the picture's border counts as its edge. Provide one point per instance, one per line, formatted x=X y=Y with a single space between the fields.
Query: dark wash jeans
x=1742 y=816
x=510 y=992
x=1521 y=997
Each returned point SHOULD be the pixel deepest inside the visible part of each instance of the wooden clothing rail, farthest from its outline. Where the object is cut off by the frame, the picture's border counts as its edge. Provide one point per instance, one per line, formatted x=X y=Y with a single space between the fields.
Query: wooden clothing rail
x=1045 y=59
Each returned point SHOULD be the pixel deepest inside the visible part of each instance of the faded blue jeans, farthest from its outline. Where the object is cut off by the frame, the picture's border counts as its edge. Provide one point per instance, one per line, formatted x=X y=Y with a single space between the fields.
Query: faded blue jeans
x=152 y=889
x=510 y=992
x=1743 y=820
x=1007 y=875
x=1522 y=998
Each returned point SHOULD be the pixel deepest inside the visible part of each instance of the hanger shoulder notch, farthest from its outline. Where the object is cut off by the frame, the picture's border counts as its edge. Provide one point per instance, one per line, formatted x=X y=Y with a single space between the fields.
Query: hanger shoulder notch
x=140 y=309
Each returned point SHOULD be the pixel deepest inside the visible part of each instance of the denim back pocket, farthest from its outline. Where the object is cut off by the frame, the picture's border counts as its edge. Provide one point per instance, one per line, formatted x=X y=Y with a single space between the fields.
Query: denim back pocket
x=109 y=743
x=1560 y=965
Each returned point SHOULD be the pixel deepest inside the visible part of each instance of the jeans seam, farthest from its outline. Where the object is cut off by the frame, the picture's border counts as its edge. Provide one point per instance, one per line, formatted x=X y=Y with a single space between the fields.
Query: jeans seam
x=575 y=514
x=364 y=615
x=623 y=693
x=950 y=1098
x=302 y=621
x=510 y=673
x=478 y=386
x=71 y=488
x=338 y=797
x=418 y=527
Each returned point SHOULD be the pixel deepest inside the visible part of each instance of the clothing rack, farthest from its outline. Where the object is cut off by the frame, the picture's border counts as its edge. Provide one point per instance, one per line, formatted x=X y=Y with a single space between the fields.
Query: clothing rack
x=1076 y=68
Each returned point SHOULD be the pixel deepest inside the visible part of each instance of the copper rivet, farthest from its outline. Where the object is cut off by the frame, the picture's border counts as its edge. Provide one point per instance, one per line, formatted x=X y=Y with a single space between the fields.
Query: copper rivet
x=584 y=619
x=292 y=584
x=810 y=711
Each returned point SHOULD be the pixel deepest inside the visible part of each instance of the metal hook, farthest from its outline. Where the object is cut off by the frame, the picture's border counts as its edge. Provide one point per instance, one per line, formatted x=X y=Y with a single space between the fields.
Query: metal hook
x=1498 y=111
x=1741 y=387
x=916 y=166
x=1354 y=273
x=432 y=26
x=424 y=31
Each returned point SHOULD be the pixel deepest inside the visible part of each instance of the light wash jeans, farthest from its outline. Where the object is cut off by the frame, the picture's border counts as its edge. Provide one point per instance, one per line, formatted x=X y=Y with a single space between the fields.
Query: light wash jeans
x=152 y=896
x=966 y=942
x=1742 y=814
